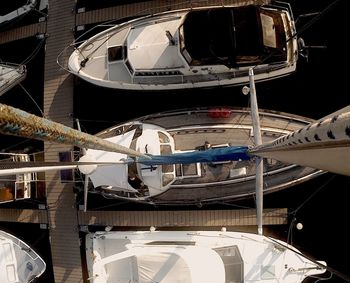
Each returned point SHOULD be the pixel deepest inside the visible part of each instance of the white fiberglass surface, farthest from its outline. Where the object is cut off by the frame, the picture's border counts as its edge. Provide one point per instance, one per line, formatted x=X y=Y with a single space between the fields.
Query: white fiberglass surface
x=149 y=47
x=165 y=264
x=111 y=175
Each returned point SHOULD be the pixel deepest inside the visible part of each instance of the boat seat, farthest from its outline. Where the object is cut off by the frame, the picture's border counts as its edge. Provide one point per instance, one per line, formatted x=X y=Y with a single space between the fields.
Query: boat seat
x=246 y=60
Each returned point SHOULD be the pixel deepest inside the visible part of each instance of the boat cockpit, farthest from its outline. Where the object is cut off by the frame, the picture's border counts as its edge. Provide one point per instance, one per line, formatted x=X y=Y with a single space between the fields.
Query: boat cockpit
x=150 y=179
x=219 y=36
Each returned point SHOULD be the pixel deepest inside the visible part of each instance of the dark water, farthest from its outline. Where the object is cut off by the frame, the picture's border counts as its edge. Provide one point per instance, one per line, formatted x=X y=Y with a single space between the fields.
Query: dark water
x=316 y=89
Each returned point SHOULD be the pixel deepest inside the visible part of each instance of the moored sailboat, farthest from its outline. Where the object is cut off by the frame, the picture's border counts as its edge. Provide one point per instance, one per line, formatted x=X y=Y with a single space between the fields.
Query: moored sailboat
x=179 y=157
x=198 y=155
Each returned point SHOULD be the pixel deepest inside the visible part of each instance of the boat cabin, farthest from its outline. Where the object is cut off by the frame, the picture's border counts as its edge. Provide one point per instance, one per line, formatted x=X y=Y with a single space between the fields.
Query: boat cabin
x=233 y=37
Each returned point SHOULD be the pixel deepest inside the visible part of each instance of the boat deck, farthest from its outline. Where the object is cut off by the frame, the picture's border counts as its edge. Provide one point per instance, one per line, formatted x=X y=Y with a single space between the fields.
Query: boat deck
x=60 y=216
x=10 y=76
x=198 y=183
x=158 y=218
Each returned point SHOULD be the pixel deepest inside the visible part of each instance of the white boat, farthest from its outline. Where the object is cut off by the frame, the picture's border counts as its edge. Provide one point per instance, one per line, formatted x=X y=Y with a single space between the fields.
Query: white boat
x=191 y=48
x=203 y=160
x=194 y=256
x=31 y=5
x=11 y=75
x=18 y=262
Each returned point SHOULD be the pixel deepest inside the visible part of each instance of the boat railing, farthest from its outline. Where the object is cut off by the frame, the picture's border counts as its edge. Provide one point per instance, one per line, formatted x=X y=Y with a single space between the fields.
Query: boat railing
x=17 y=186
x=183 y=79
x=21 y=245
x=10 y=75
x=283 y=6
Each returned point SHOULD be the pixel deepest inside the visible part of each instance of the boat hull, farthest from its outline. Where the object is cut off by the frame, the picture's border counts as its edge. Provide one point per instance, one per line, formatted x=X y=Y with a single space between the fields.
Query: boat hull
x=188 y=48
x=18 y=262
x=10 y=76
x=210 y=182
x=162 y=256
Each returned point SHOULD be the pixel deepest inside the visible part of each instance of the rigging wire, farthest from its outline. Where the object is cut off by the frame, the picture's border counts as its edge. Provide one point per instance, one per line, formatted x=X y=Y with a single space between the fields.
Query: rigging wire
x=14 y=145
x=321 y=265
x=36 y=104
x=34 y=52
x=295 y=211
x=315 y=19
x=322 y=278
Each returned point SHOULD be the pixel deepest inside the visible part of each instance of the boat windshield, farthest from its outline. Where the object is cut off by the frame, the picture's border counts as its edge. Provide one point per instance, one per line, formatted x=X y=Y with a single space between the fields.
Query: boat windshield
x=233 y=263
x=273 y=30
x=121 y=130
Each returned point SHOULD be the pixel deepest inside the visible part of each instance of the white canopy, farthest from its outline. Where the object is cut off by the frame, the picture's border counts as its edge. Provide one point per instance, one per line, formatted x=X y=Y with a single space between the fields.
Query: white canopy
x=179 y=264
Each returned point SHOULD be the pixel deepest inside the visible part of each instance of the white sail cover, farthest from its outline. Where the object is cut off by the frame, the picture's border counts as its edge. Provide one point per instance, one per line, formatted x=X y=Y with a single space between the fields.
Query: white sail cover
x=184 y=265
x=179 y=264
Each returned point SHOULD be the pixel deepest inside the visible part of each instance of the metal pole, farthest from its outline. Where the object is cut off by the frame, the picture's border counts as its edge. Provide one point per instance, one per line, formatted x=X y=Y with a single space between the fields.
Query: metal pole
x=16 y=122
x=259 y=161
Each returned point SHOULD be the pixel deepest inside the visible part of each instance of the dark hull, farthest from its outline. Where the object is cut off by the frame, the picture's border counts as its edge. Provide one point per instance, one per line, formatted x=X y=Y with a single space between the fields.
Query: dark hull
x=235 y=191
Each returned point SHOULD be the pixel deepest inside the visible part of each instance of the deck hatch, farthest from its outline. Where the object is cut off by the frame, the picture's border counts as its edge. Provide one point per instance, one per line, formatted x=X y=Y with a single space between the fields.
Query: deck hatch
x=116 y=53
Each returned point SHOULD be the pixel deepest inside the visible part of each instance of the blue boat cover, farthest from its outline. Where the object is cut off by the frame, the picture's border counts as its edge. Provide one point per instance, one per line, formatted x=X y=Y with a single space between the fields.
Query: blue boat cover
x=210 y=155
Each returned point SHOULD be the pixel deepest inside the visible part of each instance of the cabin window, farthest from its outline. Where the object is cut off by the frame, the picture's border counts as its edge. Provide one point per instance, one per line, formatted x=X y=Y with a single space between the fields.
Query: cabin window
x=184 y=52
x=116 y=53
x=163 y=138
x=121 y=130
x=233 y=264
x=188 y=170
x=167 y=179
x=167 y=168
x=269 y=34
x=165 y=149
x=273 y=29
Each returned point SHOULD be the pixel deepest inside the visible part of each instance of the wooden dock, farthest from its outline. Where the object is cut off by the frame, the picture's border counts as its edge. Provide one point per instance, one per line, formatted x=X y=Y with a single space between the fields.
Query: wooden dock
x=60 y=215
x=157 y=218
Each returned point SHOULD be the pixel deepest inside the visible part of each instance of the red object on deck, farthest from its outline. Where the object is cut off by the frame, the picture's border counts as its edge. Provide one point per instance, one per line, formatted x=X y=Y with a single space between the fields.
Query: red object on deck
x=219 y=113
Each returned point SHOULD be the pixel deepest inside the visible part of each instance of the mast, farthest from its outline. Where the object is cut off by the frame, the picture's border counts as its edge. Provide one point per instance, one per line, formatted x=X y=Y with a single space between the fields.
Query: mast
x=16 y=122
x=258 y=161
x=323 y=144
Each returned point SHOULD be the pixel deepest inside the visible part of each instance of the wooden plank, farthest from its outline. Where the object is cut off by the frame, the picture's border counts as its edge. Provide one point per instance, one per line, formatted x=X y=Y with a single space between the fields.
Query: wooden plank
x=112 y=13
x=58 y=105
x=23 y=215
x=156 y=6
x=22 y=32
x=181 y=218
